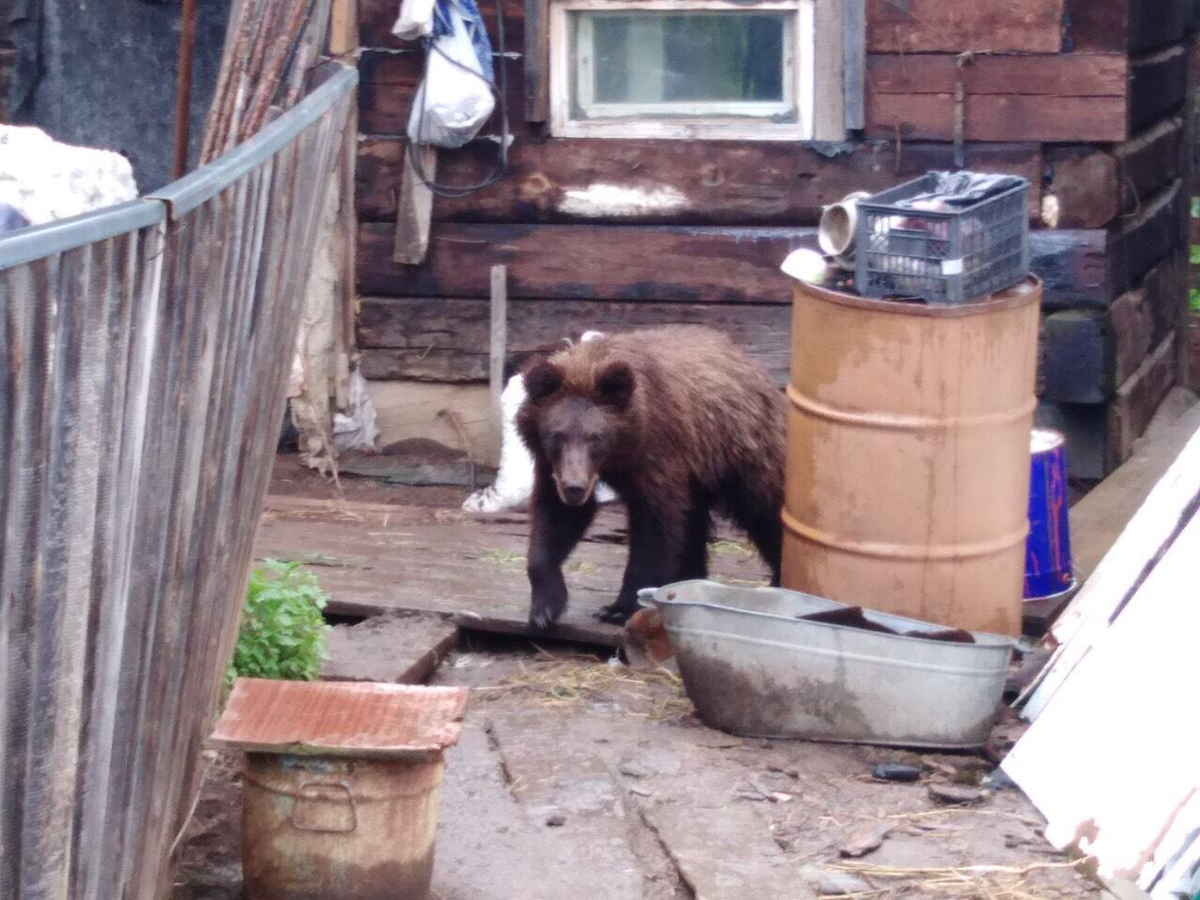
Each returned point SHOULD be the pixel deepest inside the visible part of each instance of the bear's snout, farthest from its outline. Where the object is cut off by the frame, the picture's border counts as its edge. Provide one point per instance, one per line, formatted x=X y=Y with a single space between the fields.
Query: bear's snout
x=575 y=493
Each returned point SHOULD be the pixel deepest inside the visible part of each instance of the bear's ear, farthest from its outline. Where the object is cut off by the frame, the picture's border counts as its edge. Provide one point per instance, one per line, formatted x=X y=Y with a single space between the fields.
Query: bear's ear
x=614 y=385
x=542 y=380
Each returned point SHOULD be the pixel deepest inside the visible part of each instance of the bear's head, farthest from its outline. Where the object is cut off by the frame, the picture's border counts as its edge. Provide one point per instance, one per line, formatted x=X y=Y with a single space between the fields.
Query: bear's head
x=580 y=428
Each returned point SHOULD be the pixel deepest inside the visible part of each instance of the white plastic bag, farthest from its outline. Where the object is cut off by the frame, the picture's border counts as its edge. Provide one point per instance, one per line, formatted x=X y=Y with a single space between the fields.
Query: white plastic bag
x=355 y=429
x=454 y=101
x=416 y=20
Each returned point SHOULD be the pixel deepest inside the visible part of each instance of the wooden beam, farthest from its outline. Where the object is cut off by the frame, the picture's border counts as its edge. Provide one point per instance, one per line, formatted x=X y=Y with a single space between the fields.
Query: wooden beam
x=938 y=26
x=992 y=117
x=446 y=339
x=1149 y=162
x=1158 y=87
x=1085 y=184
x=589 y=262
x=1153 y=23
x=684 y=182
x=669 y=263
x=1148 y=237
x=1058 y=75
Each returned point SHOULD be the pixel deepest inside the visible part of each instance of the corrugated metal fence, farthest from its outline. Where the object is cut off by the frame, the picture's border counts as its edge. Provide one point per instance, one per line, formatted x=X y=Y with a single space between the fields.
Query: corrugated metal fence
x=143 y=357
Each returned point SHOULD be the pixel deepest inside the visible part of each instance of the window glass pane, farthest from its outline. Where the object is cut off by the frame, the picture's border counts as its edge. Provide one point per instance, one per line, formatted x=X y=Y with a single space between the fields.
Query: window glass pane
x=647 y=57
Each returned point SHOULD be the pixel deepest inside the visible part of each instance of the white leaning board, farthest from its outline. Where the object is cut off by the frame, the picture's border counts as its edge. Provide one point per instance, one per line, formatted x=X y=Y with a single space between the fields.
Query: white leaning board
x=1113 y=760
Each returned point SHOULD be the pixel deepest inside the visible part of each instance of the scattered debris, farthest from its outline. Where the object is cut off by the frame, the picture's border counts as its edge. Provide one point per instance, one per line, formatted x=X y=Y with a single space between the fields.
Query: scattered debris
x=829 y=883
x=556 y=820
x=995 y=882
x=864 y=841
x=956 y=794
x=633 y=769
x=895 y=772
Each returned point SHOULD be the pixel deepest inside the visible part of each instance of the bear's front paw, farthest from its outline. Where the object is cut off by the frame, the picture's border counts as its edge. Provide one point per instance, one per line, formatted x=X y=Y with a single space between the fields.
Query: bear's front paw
x=617 y=613
x=547 y=603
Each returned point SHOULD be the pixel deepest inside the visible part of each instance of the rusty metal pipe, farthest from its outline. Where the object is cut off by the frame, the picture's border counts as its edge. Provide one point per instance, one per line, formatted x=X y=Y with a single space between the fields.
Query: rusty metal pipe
x=183 y=86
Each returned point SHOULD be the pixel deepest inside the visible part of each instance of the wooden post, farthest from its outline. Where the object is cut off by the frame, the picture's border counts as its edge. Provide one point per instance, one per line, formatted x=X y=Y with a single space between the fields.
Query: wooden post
x=343 y=27
x=498 y=344
x=415 y=212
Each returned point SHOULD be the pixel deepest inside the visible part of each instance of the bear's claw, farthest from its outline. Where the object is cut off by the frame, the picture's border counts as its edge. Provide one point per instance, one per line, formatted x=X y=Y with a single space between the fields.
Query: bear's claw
x=615 y=614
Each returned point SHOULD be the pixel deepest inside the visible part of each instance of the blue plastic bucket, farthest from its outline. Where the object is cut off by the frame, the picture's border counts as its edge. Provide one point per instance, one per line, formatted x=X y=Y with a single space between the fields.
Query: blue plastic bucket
x=1048 y=570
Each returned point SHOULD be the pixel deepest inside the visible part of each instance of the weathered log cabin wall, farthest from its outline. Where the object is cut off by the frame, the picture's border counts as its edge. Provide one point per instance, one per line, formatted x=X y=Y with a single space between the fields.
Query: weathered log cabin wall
x=1084 y=99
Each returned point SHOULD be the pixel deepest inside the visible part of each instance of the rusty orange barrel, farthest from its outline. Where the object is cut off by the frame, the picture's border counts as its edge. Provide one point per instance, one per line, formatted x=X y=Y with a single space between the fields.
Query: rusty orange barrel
x=907 y=486
x=320 y=828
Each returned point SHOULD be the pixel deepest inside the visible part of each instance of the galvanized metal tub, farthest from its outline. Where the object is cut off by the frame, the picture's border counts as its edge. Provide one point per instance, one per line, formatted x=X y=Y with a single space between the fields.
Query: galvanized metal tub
x=753 y=668
x=907 y=481
x=317 y=828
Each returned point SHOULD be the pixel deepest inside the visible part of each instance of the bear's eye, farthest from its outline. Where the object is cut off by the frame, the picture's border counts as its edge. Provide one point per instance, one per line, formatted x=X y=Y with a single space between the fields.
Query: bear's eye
x=557 y=439
x=593 y=440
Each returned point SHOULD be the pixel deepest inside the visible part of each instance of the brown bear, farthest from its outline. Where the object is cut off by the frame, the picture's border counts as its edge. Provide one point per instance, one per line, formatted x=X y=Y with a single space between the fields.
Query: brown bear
x=680 y=423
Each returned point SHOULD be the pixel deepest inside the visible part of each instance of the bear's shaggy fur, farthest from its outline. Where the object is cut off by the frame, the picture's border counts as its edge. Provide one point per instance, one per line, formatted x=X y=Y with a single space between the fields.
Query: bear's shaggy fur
x=680 y=423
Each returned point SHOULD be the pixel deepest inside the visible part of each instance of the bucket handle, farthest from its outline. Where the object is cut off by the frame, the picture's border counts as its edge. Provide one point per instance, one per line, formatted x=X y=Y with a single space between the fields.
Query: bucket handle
x=324 y=784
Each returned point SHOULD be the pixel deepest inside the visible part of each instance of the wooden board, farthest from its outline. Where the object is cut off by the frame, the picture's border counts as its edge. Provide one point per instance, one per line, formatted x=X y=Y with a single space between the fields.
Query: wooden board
x=378 y=558
x=670 y=264
x=993 y=117
x=1098 y=519
x=447 y=339
x=937 y=26
x=660 y=182
x=589 y=262
x=1124 y=702
x=1157 y=87
x=1054 y=75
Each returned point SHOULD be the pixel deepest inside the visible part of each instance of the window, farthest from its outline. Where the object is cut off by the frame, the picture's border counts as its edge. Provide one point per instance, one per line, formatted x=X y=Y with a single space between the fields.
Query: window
x=682 y=68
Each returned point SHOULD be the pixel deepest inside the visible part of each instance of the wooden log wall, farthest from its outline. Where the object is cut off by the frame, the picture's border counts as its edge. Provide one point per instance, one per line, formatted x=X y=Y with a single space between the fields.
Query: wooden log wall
x=1085 y=100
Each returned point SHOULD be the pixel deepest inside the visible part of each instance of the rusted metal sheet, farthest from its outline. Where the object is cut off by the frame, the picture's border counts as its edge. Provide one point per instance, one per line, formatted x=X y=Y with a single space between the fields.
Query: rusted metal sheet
x=341 y=718
x=143 y=351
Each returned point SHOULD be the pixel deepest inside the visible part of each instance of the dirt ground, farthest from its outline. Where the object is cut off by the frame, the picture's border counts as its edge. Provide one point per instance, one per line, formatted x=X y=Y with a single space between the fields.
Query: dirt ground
x=580 y=777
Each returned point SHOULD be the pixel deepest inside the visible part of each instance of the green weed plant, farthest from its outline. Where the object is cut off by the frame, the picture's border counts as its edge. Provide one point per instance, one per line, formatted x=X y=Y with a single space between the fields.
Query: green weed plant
x=283 y=632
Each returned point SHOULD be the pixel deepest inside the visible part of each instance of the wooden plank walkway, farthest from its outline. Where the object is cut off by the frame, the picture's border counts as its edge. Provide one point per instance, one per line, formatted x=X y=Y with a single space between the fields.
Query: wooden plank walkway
x=377 y=558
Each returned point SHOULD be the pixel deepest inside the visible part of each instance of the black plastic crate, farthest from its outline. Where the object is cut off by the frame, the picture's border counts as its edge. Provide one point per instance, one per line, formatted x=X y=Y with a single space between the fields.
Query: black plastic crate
x=948 y=257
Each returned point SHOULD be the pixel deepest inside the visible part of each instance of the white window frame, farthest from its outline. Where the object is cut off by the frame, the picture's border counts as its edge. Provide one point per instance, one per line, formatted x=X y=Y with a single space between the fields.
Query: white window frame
x=703 y=121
